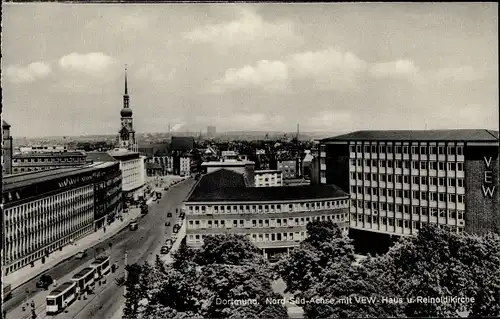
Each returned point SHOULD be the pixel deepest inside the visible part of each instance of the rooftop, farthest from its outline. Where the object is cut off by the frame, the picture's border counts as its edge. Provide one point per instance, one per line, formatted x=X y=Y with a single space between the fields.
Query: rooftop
x=266 y=171
x=61 y=288
x=422 y=135
x=227 y=163
x=228 y=186
x=48 y=154
x=82 y=272
x=117 y=152
x=100 y=157
x=19 y=180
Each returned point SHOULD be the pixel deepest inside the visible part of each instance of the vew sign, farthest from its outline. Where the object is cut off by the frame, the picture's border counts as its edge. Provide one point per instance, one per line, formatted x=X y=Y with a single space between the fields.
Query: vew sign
x=488 y=179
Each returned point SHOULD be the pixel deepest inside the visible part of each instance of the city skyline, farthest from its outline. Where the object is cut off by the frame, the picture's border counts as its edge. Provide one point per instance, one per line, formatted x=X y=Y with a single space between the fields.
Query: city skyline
x=249 y=67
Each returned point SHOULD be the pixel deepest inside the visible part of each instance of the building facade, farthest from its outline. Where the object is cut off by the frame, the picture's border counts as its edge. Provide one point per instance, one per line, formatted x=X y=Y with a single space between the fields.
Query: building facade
x=126 y=136
x=399 y=180
x=39 y=161
x=166 y=163
x=288 y=167
x=44 y=211
x=274 y=218
x=268 y=178
x=133 y=170
x=6 y=148
x=43 y=149
x=107 y=193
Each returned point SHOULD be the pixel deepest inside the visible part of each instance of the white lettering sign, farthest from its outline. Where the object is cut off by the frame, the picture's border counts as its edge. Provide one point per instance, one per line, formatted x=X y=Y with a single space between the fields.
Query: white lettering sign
x=488 y=179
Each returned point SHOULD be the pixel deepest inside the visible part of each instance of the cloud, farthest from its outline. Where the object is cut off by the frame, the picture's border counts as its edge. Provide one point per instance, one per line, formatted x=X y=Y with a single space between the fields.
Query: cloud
x=248 y=28
x=326 y=69
x=90 y=63
x=270 y=75
x=27 y=74
x=325 y=120
x=394 y=69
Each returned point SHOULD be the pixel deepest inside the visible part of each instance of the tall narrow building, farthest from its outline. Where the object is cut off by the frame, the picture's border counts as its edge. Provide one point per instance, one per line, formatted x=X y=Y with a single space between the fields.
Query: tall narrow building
x=126 y=135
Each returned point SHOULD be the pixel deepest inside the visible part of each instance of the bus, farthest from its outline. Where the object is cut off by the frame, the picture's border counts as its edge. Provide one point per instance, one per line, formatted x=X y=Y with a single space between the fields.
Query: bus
x=102 y=266
x=61 y=297
x=84 y=280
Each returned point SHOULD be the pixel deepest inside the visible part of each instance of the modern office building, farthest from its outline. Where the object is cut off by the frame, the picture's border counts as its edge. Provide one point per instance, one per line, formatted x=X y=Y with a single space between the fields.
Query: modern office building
x=38 y=161
x=108 y=201
x=132 y=166
x=399 y=180
x=46 y=210
x=6 y=148
x=268 y=178
x=274 y=218
x=126 y=136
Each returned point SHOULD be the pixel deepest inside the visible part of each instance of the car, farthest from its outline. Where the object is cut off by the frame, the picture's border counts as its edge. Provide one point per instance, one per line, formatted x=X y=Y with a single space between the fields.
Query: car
x=167 y=224
x=169 y=214
x=168 y=242
x=82 y=254
x=165 y=189
x=164 y=250
x=176 y=230
x=176 y=227
x=44 y=282
x=133 y=226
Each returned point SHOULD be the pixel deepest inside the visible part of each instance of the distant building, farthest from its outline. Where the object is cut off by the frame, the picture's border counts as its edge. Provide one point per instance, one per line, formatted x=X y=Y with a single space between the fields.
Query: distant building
x=268 y=178
x=274 y=218
x=288 y=167
x=6 y=149
x=400 y=180
x=211 y=131
x=153 y=169
x=314 y=171
x=42 y=160
x=166 y=163
x=43 y=149
x=186 y=165
x=306 y=165
x=126 y=136
x=182 y=144
x=46 y=210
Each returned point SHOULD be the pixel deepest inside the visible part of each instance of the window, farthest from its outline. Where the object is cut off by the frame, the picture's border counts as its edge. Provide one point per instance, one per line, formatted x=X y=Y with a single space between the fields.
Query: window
x=360 y=176
x=367 y=176
x=390 y=193
x=423 y=165
x=433 y=196
x=460 y=150
x=399 y=164
x=398 y=150
x=382 y=149
x=452 y=166
x=400 y=223
x=389 y=163
x=399 y=193
x=415 y=179
x=406 y=194
x=415 y=194
x=423 y=150
x=442 y=213
x=460 y=167
x=384 y=192
x=423 y=195
x=414 y=149
x=441 y=150
x=460 y=182
x=452 y=198
x=452 y=182
x=406 y=164
x=461 y=199
x=389 y=148
x=423 y=180
x=374 y=177
x=433 y=150
x=390 y=178
x=399 y=178
x=352 y=148
x=405 y=149
x=416 y=210
x=382 y=178
x=433 y=165
x=367 y=148
x=451 y=150
x=406 y=179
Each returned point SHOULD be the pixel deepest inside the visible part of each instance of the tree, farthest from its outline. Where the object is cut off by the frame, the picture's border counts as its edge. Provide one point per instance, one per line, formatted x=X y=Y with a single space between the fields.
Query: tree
x=324 y=246
x=133 y=292
x=226 y=278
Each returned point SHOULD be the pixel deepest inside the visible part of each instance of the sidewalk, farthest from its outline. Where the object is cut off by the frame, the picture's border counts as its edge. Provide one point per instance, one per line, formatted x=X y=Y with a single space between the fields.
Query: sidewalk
x=27 y=273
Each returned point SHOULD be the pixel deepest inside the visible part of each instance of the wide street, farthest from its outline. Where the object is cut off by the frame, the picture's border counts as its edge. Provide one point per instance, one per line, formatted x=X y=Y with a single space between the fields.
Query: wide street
x=142 y=245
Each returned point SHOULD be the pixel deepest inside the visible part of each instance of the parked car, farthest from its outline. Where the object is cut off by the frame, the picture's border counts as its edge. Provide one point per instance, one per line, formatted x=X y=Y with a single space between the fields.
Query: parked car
x=44 y=282
x=176 y=227
x=82 y=254
x=165 y=188
x=164 y=250
x=167 y=224
x=133 y=226
x=169 y=214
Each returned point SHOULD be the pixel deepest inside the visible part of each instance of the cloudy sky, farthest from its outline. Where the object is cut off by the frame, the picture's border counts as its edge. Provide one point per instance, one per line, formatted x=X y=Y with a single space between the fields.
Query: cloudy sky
x=329 y=67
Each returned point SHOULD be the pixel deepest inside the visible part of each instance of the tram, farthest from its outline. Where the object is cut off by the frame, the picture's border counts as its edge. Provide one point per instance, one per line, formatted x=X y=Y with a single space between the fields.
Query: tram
x=61 y=297
x=84 y=280
x=102 y=266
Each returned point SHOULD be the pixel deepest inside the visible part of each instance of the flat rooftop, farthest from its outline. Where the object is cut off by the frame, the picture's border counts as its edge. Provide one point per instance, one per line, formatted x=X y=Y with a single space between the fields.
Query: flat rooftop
x=23 y=179
x=117 y=152
x=465 y=135
x=228 y=186
x=48 y=154
x=227 y=163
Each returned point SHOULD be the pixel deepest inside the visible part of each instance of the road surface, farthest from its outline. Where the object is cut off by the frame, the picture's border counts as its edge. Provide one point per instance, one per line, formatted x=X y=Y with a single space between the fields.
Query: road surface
x=141 y=245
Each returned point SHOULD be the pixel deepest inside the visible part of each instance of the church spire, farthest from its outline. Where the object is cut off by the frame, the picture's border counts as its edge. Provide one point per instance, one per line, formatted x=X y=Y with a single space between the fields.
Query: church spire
x=126 y=88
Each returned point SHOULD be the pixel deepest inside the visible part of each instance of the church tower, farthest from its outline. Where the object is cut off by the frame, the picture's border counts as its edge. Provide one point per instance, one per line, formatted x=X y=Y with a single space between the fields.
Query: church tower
x=126 y=135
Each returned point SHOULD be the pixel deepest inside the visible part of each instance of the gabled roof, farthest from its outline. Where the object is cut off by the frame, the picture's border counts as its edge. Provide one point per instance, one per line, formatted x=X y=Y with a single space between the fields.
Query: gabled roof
x=422 y=135
x=182 y=143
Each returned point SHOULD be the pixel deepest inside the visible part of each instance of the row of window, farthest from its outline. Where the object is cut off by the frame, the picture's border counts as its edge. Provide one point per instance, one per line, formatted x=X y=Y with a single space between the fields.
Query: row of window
x=406 y=164
x=270 y=208
x=392 y=222
x=34 y=169
x=425 y=195
x=263 y=223
x=407 y=149
x=23 y=210
x=405 y=179
x=49 y=160
x=408 y=209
